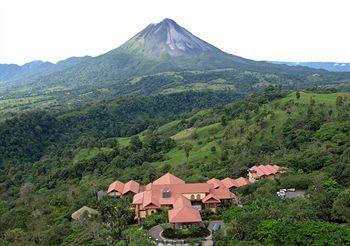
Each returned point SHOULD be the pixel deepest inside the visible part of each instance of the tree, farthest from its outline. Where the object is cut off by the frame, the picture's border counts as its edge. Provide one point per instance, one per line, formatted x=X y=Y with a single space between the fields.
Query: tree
x=135 y=143
x=312 y=101
x=301 y=209
x=223 y=121
x=187 y=148
x=116 y=216
x=26 y=193
x=297 y=94
x=341 y=206
x=339 y=101
x=137 y=236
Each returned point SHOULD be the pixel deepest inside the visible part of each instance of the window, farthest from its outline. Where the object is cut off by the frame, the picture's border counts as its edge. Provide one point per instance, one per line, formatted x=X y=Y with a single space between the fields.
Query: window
x=198 y=197
x=192 y=197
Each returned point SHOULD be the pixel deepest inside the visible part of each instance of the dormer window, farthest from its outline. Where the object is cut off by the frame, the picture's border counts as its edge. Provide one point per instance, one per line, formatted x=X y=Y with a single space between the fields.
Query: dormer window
x=166 y=194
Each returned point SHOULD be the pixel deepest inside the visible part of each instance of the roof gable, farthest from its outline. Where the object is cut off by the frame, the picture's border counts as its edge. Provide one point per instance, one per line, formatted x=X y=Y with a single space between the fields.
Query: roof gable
x=184 y=215
x=228 y=183
x=222 y=193
x=216 y=183
x=168 y=178
x=150 y=199
x=138 y=198
x=239 y=182
x=263 y=170
x=116 y=186
x=211 y=198
x=181 y=201
x=131 y=186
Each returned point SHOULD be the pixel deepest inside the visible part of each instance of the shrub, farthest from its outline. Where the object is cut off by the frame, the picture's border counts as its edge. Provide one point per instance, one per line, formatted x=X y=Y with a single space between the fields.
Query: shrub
x=154 y=219
x=192 y=232
x=301 y=181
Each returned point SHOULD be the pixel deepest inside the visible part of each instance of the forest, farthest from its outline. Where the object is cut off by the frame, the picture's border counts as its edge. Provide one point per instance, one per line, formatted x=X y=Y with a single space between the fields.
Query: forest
x=53 y=162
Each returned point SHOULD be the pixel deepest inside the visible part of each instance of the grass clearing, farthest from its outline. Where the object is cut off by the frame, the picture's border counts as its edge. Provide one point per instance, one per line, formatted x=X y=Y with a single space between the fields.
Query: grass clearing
x=328 y=99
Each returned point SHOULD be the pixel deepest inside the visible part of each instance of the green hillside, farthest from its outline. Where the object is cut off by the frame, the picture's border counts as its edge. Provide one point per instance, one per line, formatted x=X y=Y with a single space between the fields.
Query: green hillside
x=230 y=80
x=306 y=132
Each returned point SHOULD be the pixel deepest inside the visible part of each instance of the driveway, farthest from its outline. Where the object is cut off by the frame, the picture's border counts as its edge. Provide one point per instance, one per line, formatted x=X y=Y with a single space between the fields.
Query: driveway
x=156 y=232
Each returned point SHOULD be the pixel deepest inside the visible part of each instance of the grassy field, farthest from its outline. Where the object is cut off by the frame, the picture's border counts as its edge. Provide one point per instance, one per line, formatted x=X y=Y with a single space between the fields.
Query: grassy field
x=13 y=105
x=219 y=86
x=328 y=99
x=86 y=154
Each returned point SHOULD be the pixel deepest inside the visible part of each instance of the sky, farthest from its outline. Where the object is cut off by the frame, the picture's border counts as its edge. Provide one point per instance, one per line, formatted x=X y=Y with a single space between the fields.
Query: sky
x=275 y=30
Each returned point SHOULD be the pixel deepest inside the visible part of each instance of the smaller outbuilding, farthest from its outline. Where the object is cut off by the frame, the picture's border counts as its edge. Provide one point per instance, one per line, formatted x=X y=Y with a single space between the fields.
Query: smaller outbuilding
x=256 y=173
x=81 y=212
x=100 y=194
x=235 y=183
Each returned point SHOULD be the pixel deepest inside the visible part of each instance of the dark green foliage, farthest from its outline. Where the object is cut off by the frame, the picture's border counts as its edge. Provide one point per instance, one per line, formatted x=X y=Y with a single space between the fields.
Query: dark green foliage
x=26 y=138
x=116 y=215
x=341 y=206
x=155 y=219
x=192 y=232
x=273 y=232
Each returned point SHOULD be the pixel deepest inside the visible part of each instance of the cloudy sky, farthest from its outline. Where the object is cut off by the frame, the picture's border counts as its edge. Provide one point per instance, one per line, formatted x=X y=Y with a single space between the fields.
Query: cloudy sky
x=288 y=30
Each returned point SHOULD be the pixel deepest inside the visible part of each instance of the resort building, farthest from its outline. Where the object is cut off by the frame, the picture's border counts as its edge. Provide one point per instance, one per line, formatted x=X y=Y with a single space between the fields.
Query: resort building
x=264 y=171
x=235 y=183
x=184 y=201
x=119 y=189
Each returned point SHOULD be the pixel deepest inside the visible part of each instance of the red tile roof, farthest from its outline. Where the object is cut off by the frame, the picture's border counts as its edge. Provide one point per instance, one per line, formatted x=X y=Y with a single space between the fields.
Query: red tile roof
x=263 y=170
x=211 y=198
x=216 y=183
x=169 y=190
x=239 y=182
x=175 y=190
x=116 y=186
x=222 y=193
x=184 y=215
x=131 y=186
x=228 y=183
x=138 y=198
x=191 y=188
x=150 y=200
x=182 y=201
x=168 y=178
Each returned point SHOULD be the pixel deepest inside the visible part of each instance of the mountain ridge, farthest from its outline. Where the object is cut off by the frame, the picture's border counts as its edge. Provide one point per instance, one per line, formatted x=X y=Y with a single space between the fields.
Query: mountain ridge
x=13 y=72
x=161 y=48
x=329 y=66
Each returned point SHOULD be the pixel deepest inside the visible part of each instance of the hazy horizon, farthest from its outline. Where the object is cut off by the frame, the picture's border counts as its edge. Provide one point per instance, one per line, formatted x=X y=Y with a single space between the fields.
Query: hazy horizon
x=292 y=31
